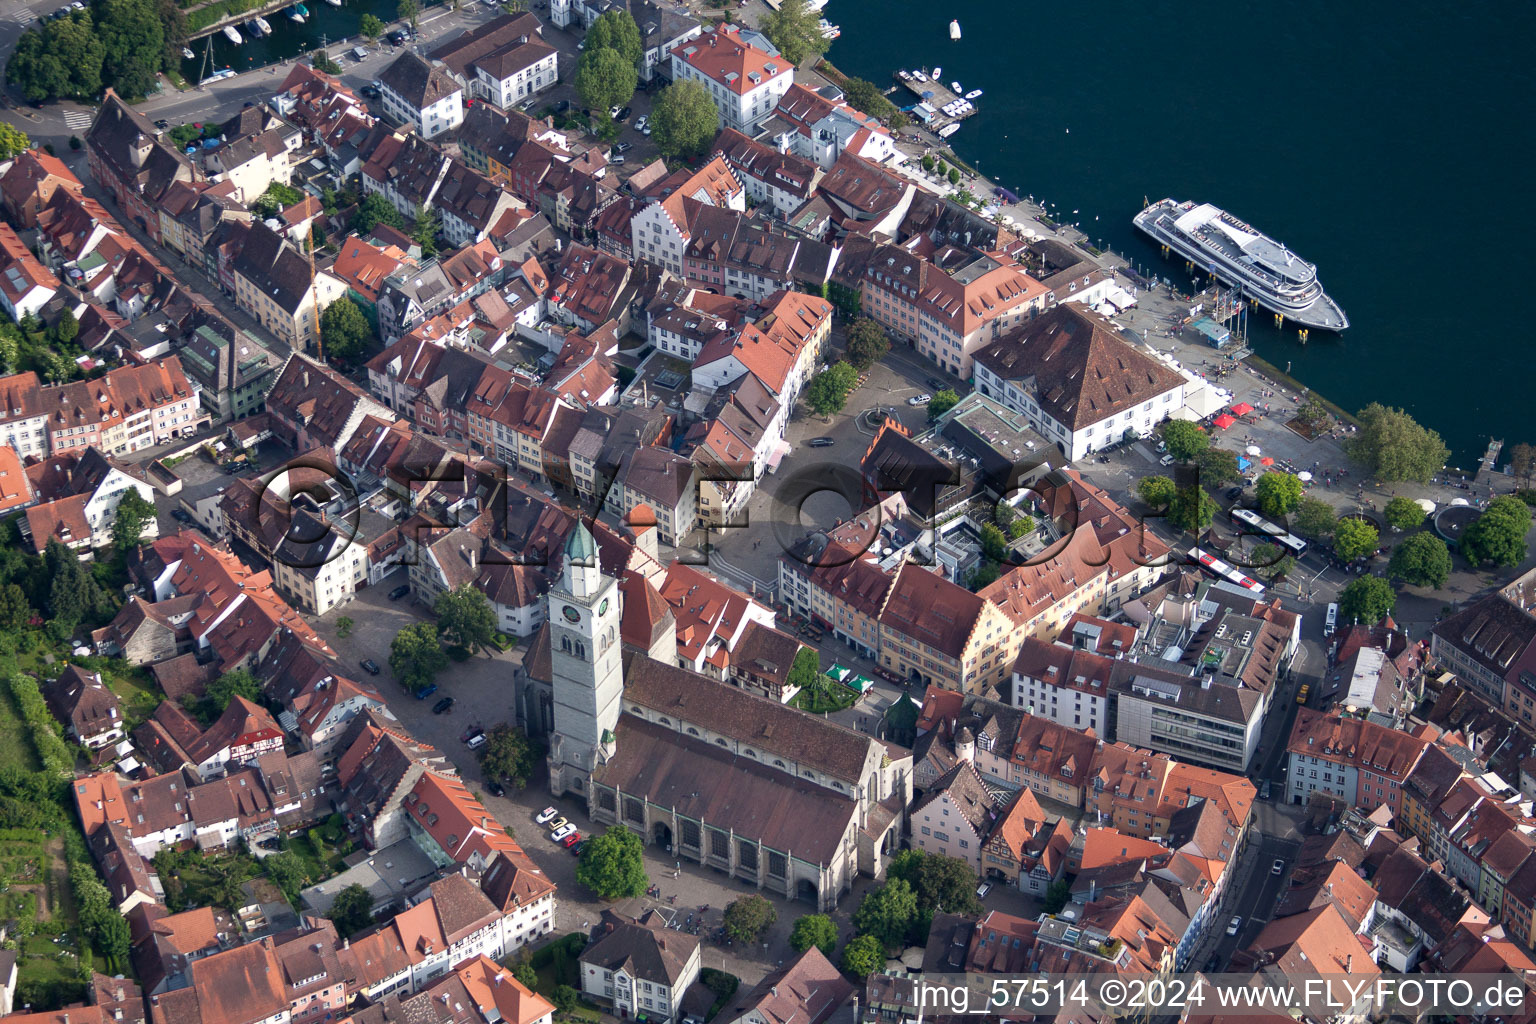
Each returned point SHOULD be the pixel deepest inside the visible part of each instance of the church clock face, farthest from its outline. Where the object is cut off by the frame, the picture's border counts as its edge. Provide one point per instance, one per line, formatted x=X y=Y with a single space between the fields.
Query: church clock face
x=602 y=609
x=571 y=614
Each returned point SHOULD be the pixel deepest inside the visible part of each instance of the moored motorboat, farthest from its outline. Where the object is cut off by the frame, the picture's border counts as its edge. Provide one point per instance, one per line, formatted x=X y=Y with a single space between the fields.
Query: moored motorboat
x=949 y=130
x=233 y=35
x=186 y=51
x=973 y=94
x=954 y=29
x=263 y=26
x=296 y=15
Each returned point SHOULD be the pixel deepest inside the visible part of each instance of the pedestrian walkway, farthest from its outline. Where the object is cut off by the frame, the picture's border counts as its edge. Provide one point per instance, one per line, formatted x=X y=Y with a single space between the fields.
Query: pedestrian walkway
x=77 y=120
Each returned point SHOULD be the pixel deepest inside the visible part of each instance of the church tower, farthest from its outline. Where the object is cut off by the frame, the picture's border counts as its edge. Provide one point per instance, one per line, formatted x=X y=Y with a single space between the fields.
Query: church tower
x=584 y=649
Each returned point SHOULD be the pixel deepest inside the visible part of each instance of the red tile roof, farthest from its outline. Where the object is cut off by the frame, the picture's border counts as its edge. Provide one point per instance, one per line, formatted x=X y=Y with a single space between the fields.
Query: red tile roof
x=726 y=58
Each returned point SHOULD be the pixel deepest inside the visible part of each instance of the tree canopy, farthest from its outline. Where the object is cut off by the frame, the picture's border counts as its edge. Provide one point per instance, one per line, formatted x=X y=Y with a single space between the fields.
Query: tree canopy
x=132 y=515
x=1218 y=467
x=1403 y=513
x=887 y=912
x=223 y=690
x=60 y=58
x=684 y=120
x=946 y=883
x=134 y=38
x=465 y=619
x=867 y=343
x=370 y=26
x=1498 y=535
x=344 y=330
x=605 y=79
x=813 y=930
x=12 y=141
x=1367 y=600
x=1184 y=439
x=796 y=30
x=375 y=209
x=1192 y=509
x=1270 y=561
x=747 y=917
x=509 y=755
x=1313 y=518
x=616 y=30
x=943 y=400
x=416 y=656
x=1354 y=538
x=866 y=96
x=1156 y=491
x=1279 y=494
x=1395 y=447
x=352 y=910
x=828 y=391
x=805 y=670
x=1422 y=560
x=612 y=865
x=863 y=956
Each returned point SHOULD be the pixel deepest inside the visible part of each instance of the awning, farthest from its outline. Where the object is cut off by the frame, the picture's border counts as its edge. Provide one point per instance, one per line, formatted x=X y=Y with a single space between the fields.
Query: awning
x=1224 y=421
x=776 y=456
x=1242 y=409
x=837 y=672
x=1266 y=461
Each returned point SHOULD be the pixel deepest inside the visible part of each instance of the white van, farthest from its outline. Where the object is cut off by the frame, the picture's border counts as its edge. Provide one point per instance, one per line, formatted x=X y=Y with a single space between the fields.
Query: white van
x=359 y=53
x=1333 y=620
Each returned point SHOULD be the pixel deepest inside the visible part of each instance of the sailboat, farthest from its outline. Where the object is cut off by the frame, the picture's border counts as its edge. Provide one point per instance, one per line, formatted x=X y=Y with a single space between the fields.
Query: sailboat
x=233 y=35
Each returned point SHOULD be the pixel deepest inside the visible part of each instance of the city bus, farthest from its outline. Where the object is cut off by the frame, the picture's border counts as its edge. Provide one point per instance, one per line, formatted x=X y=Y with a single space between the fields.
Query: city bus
x=1258 y=524
x=1216 y=567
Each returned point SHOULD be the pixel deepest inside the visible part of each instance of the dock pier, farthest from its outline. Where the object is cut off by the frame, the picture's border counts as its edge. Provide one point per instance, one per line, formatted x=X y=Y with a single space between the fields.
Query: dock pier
x=936 y=94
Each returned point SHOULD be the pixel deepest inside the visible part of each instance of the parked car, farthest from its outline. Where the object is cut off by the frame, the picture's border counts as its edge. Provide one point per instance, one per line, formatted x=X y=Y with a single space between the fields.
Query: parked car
x=370 y=666
x=572 y=839
x=619 y=159
x=271 y=843
x=181 y=515
x=983 y=889
x=936 y=383
x=623 y=147
x=1234 y=925
x=1162 y=446
x=821 y=442
x=920 y=399
x=476 y=742
x=400 y=591
x=1278 y=867
x=547 y=814
x=557 y=823
x=623 y=115
x=613 y=112
x=431 y=688
x=643 y=123
x=1166 y=460
x=495 y=788
x=371 y=92
x=577 y=847
x=562 y=832
x=443 y=705
x=162 y=124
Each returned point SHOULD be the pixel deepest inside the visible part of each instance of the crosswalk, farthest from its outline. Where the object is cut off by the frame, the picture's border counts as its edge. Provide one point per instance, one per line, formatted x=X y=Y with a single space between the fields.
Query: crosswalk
x=76 y=120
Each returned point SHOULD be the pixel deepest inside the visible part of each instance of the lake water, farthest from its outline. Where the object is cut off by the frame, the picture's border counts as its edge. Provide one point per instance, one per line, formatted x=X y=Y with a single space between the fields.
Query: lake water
x=1388 y=143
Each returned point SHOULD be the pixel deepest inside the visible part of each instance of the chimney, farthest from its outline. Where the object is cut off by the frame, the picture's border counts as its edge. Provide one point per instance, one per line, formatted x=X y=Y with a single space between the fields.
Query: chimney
x=471 y=556
x=1349 y=961
x=306 y=378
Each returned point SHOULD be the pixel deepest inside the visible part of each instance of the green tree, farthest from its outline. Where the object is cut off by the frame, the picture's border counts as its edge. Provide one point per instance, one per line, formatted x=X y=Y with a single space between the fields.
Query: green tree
x=1192 y=509
x=344 y=330
x=509 y=755
x=747 y=917
x=15 y=610
x=375 y=209
x=74 y=595
x=1314 y=518
x=323 y=63
x=352 y=910
x=1312 y=412
x=427 y=225
x=1279 y=494
x=1184 y=439
x=12 y=141
x=286 y=871
x=525 y=974
x=612 y=865
x=1156 y=491
x=863 y=956
x=1354 y=538
x=943 y=401
x=1218 y=467
x=133 y=514
x=805 y=671
x=946 y=883
x=604 y=79
x=887 y=912
x=1056 y=897
x=684 y=120
x=465 y=619
x=616 y=30
x=344 y=626
x=1366 y=600
x=65 y=327
x=1422 y=560
x=113 y=938
x=1394 y=447
x=1498 y=535
x=407 y=11
x=1403 y=513
x=416 y=656
x=565 y=998
x=867 y=343
x=954 y=175
x=866 y=96
x=1271 y=561
x=795 y=28
x=927 y=163
x=371 y=27
x=134 y=39
x=223 y=690
x=813 y=930
x=828 y=391
x=1522 y=462
x=994 y=545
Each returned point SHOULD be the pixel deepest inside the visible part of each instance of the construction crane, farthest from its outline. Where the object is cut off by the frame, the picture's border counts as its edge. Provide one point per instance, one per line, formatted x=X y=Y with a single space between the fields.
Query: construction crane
x=314 y=306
